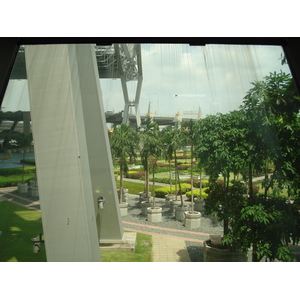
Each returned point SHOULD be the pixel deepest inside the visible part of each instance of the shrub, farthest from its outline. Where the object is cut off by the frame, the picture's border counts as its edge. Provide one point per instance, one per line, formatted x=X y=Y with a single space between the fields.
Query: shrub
x=164 y=180
x=13 y=180
x=183 y=167
x=135 y=174
x=161 y=192
x=16 y=171
x=205 y=183
x=197 y=193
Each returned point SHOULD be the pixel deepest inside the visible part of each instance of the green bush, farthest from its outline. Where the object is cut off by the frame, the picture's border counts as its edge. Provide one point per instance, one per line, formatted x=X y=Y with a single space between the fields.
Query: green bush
x=13 y=180
x=16 y=171
x=135 y=174
x=161 y=192
x=28 y=161
x=205 y=183
x=197 y=193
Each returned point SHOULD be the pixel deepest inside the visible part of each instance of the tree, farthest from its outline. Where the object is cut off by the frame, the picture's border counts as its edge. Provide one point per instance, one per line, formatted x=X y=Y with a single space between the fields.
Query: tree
x=168 y=150
x=150 y=145
x=190 y=137
x=177 y=141
x=217 y=148
x=123 y=142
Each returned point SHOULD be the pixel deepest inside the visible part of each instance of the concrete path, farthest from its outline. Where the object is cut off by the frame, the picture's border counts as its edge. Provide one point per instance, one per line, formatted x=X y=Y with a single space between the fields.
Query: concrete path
x=167 y=249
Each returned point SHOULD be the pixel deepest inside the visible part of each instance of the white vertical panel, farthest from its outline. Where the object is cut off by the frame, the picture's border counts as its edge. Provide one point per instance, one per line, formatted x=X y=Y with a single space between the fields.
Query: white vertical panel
x=57 y=97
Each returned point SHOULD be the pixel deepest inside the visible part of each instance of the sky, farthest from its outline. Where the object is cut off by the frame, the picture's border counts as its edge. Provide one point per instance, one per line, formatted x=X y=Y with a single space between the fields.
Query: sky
x=182 y=78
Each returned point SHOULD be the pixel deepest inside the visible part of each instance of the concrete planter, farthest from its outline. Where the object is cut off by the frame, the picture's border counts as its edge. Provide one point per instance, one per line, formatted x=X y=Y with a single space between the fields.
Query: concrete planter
x=213 y=254
x=173 y=205
x=199 y=205
x=169 y=198
x=154 y=214
x=144 y=206
x=192 y=220
x=123 y=209
x=34 y=191
x=124 y=195
x=22 y=188
x=179 y=212
x=143 y=197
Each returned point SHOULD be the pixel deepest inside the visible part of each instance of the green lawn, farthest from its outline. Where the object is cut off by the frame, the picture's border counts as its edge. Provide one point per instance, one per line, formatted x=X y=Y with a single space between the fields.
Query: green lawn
x=18 y=225
x=142 y=253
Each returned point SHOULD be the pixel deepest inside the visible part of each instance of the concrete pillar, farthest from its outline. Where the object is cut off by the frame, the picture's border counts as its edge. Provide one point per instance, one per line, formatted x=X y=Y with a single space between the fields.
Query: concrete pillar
x=74 y=165
x=26 y=122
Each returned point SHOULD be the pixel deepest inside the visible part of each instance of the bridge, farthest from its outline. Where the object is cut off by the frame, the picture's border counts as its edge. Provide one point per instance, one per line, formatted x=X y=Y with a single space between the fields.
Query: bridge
x=117 y=61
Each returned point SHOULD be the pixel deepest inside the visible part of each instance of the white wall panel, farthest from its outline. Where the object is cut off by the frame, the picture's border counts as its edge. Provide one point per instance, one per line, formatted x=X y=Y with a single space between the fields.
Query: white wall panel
x=72 y=152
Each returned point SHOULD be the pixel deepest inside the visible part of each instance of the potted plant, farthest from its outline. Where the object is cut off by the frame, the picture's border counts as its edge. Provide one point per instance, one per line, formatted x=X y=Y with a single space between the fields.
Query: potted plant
x=192 y=218
x=123 y=142
x=149 y=145
x=226 y=204
x=168 y=154
x=154 y=213
x=177 y=141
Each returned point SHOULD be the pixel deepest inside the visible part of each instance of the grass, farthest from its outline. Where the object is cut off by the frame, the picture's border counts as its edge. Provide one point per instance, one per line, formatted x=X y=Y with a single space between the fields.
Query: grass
x=19 y=225
x=142 y=253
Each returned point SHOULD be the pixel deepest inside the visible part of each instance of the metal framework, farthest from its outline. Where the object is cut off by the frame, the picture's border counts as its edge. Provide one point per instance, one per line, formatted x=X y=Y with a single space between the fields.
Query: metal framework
x=121 y=61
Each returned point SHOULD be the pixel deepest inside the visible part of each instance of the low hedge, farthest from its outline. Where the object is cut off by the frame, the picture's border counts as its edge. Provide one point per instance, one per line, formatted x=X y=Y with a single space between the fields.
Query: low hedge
x=197 y=193
x=135 y=174
x=13 y=180
x=28 y=161
x=16 y=171
x=161 y=192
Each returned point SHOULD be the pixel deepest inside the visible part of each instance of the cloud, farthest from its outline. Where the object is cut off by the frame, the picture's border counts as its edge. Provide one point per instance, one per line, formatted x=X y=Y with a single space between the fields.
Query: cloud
x=214 y=77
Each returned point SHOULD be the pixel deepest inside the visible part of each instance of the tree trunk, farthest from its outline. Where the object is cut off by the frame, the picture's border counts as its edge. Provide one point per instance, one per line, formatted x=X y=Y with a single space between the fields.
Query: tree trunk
x=170 y=177
x=201 y=183
x=121 y=183
x=179 y=184
x=147 y=181
x=153 y=189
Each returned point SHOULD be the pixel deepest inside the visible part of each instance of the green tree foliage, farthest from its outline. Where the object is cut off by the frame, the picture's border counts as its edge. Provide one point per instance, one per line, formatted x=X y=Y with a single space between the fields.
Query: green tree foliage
x=150 y=147
x=123 y=143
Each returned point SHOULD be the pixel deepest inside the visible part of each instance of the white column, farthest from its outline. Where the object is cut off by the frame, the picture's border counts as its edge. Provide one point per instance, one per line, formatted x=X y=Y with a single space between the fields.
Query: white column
x=74 y=165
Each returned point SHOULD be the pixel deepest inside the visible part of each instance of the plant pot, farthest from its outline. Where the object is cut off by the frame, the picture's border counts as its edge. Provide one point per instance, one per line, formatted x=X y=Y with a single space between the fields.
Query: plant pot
x=192 y=219
x=173 y=205
x=154 y=214
x=199 y=205
x=213 y=254
x=22 y=188
x=123 y=209
x=34 y=191
x=169 y=197
x=143 y=197
x=179 y=212
x=144 y=206
x=124 y=195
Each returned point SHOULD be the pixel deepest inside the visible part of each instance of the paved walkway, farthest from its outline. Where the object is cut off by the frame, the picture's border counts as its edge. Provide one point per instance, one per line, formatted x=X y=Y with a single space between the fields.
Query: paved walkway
x=165 y=248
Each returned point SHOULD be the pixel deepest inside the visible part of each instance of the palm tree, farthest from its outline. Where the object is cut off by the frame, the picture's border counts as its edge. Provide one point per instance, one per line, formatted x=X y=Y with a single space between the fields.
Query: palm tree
x=149 y=146
x=123 y=142
x=168 y=149
x=190 y=136
x=177 y=141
